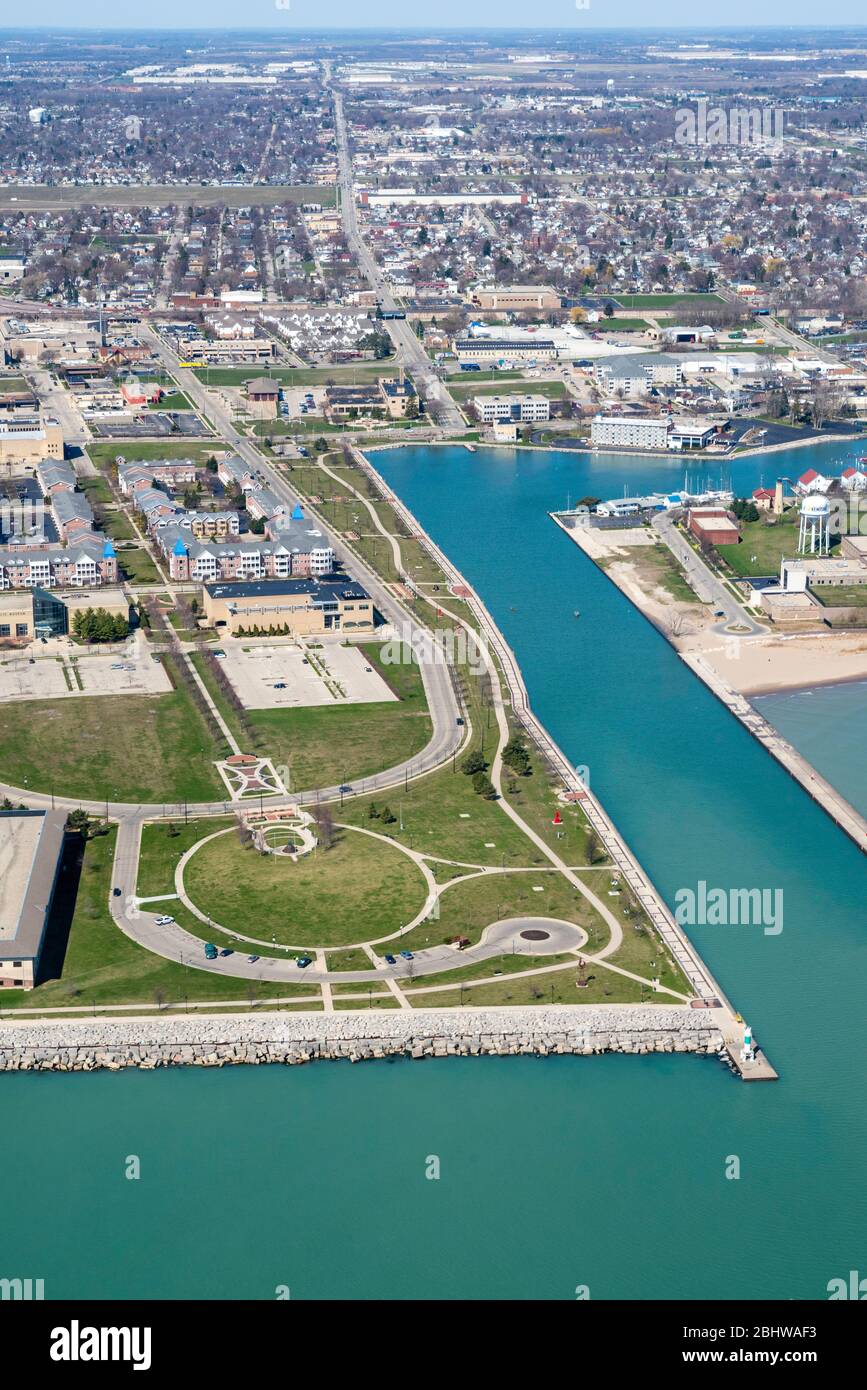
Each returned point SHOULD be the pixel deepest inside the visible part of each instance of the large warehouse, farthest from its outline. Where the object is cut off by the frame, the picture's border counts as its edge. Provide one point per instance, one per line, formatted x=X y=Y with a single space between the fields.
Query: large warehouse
x=31 y=846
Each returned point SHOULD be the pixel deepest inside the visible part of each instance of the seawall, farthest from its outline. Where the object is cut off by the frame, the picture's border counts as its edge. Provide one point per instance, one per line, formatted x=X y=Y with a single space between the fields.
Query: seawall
x=238 y=1039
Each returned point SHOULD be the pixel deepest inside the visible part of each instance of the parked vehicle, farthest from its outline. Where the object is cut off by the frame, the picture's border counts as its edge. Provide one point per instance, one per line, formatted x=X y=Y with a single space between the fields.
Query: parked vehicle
x=303 y=961
x=251 y=960
x=407 y=955
x=390 y=960
x=227 y=951
x=165 y=921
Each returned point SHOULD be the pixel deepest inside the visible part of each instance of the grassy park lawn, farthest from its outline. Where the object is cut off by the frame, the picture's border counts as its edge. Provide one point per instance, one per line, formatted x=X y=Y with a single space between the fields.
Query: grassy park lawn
x=117 y=524
x=665 y=301
x=96 y=490
x=353 y=959
x=105 y=453
x=360 y=887
x=466 y=388
x=152 y=748
x=173 y=400
x=102 y=966
x=763 y=546
x=138 y=567
x=297 y=376
x=384 y=1001
x=557 y=987
x=327 y=744
x=162 y=844
x=496 y=965
x=467 y=908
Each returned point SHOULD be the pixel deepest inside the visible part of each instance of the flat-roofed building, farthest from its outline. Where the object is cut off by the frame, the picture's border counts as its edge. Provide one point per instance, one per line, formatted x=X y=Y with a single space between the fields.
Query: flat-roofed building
x=690 y=434
x=504 y=349
x=30 y=440
x=262 y=396
x=31 y=849
x=713 y=525
x=26 y=614
x=290 y=606
x=628 y=432
x=516 y=297
x=517 y=408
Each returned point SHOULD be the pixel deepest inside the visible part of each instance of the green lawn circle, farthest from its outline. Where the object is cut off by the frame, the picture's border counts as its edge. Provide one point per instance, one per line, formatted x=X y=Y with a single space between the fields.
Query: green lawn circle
x=359 y=889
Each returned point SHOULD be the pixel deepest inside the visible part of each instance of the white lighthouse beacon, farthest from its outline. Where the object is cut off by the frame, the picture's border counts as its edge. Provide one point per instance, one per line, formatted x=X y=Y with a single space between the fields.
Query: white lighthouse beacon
x=747 y=1053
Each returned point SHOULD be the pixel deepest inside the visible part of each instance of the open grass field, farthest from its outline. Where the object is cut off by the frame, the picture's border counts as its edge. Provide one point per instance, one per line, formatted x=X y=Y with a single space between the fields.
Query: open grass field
x=175 y=400
x=138 y=566
x=467 y=908
x=340 y=743
x=685 y=299
x=763 y=546
x=465 y=390
x=103 y=966
x=105 y=453
x=149 y=748
x=297 y=376
x=360 y=887
x=162 y=845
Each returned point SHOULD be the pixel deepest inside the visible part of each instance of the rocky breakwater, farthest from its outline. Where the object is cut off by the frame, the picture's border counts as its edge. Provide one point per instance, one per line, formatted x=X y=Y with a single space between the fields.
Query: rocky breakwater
x=210 y=1041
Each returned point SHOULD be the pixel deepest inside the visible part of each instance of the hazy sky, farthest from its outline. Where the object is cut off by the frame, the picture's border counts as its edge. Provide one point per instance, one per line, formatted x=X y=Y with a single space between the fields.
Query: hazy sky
x=444 y=13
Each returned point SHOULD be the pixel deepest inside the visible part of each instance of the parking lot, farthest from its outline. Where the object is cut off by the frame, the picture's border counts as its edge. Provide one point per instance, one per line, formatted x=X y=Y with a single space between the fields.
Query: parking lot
x=286 y=677
x=81 y=673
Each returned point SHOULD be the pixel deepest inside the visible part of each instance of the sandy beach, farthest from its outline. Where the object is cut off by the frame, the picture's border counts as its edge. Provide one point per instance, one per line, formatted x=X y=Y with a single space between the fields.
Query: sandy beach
x=757 y=665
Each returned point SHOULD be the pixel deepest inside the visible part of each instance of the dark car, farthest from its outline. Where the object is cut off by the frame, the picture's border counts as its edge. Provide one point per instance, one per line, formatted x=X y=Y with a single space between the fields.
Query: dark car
x=303 y=961
x=390 y=960
x=251 y=960
x=227 y=951
x=115 y=892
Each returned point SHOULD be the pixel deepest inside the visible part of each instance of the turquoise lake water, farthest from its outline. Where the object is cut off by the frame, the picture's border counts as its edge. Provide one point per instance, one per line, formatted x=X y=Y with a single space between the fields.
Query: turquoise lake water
x=557 y=1172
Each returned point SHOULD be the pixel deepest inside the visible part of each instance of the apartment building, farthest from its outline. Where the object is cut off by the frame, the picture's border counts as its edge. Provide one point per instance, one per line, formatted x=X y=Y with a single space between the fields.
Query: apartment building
x=626 y=432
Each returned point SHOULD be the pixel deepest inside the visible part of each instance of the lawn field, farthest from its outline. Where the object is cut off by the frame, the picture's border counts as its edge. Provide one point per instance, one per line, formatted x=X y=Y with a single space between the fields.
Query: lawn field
x=150 y=748
x=465 y=390
x=340 y=743
x=359 y=888
x=297 y=376
x=685 y=299
x=102 y=965
x=105 y=453
x=763 y=546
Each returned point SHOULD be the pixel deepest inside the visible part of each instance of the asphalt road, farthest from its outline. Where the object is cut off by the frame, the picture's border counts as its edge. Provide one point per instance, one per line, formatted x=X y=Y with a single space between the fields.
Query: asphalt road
x=438 y=401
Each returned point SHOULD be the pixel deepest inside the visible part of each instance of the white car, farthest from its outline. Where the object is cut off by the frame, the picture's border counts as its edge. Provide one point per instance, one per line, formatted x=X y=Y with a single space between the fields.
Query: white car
x=165 y=921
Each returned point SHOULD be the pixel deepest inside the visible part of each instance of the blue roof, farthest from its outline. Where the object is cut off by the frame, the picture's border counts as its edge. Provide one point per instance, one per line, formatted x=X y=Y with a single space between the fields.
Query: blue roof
x=108 y=551
x=180 y=548
x=297 y=513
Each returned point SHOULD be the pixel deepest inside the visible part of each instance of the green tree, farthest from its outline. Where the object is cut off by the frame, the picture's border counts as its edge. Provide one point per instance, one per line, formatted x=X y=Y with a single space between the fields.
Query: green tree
x=474 y=762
